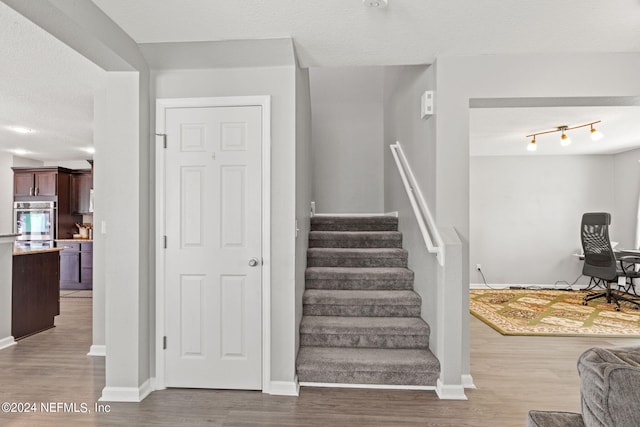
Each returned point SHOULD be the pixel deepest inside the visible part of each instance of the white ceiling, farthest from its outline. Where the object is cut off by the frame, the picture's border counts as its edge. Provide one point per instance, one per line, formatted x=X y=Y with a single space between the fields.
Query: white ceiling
x=502 y=131
x=48 y=87
x=346 y=33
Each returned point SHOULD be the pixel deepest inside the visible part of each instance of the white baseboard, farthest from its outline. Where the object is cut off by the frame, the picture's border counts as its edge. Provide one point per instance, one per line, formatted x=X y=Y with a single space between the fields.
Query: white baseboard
x=97 y=350
x=154 y=384
x=283 y=388
x=450 y=392
x=467 y=381
x=372 y=386
x=126 y=394
x=394 y=214
x=558 y=286
x=7 y=342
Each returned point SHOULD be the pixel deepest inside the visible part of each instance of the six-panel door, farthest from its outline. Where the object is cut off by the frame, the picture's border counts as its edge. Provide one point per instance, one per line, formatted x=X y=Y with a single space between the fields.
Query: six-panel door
x=213 y=226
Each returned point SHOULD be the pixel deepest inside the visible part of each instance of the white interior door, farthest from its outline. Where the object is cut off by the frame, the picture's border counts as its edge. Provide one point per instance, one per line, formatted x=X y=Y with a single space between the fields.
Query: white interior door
x=213 y=318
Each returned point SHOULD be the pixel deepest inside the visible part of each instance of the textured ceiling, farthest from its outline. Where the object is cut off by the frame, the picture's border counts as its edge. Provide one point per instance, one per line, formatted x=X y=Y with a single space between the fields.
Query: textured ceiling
x=47 y=87
x=502 y=131
x=346 y=33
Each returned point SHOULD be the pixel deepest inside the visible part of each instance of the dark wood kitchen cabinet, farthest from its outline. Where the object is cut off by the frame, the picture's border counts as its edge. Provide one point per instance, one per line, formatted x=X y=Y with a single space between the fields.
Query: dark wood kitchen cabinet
x=35 y=297
x=39 y=183
x=81 y=185
x=76 y=265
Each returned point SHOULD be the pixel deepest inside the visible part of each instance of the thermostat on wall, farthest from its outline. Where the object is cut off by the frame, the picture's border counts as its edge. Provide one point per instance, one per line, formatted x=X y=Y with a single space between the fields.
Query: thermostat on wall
x=426 y=104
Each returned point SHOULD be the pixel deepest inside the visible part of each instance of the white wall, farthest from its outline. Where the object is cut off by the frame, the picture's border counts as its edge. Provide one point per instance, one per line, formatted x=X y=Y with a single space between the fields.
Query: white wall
x=6 y=193
x=279 y=82
x=25 y=162
x=69 y=164
x=626 y=181
x=525 y=214
x=303 y=188
x=402 y=122
x=347 y=116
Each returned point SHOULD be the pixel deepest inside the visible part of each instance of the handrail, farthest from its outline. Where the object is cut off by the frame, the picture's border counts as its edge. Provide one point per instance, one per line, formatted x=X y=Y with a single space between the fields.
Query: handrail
x=427 y=225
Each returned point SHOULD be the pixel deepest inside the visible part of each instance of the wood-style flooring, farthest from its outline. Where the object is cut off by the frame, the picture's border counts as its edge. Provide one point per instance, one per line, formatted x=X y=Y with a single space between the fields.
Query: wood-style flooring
x=512 y=375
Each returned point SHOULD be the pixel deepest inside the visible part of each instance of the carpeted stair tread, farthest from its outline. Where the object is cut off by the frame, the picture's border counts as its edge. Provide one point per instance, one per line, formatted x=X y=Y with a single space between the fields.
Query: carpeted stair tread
x=367 y=366
x=359 y=278
x=363 y=223
x=363 y=325
x=355 y=239
x=357 y=257
x=350 y=297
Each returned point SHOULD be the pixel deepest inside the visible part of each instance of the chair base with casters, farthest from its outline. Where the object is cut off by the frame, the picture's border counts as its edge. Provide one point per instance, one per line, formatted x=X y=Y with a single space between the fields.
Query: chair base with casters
x=627 y=293
x=614 y=296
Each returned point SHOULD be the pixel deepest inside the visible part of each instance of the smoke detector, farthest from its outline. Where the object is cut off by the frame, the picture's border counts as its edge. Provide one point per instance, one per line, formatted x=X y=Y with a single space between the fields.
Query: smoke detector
x=380 y=4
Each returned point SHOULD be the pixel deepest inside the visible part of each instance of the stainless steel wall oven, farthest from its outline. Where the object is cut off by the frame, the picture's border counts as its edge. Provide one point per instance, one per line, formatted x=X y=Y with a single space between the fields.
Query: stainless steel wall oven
x=35 y=222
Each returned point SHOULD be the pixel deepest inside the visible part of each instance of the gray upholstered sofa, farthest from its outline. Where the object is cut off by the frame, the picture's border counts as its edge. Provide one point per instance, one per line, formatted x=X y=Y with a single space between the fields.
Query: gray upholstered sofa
x=610 y=390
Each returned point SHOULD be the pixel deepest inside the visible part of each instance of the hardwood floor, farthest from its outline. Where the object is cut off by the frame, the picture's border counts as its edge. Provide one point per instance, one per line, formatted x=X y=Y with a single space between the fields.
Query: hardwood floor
x=513 y=375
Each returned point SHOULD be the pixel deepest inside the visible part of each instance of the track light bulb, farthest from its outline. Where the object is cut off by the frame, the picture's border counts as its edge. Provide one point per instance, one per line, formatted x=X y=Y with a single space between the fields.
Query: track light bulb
x=564 y=140
x=532 y=145
x=596 y=135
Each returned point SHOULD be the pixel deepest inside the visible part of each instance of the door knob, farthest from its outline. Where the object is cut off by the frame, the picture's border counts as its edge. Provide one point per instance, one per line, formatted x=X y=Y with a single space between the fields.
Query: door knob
x=253 y=262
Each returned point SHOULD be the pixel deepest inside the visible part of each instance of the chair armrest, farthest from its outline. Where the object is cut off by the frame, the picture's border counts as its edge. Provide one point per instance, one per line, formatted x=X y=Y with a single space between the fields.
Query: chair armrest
x=628 y=262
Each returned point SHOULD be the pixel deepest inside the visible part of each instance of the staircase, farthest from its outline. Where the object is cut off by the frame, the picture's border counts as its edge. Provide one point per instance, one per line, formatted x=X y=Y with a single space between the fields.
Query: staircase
x=361 y=319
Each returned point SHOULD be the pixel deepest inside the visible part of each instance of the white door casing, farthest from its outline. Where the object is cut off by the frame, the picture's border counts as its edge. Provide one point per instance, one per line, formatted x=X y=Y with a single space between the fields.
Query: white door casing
x=212 y=303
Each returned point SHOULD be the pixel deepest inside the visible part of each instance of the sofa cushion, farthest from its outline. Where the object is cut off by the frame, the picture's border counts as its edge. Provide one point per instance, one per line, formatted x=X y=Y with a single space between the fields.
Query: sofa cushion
x=610 y=387
x=554 y=419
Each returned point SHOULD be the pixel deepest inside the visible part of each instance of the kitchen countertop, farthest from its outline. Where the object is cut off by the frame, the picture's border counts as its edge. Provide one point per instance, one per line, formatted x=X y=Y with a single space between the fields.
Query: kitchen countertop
x=22 y=251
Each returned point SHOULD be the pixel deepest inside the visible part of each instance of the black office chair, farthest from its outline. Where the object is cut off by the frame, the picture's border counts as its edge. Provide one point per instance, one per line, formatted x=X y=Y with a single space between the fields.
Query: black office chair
x=600 y=261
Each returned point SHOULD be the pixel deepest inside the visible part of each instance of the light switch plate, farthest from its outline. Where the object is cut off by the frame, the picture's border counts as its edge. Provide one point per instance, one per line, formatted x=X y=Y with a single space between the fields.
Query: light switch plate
x=426 y=104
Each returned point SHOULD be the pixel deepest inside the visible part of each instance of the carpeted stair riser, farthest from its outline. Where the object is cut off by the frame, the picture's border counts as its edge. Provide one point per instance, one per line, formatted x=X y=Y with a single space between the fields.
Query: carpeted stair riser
x=389 y=377
x=379 y=223
x=355 y=239
x=367 y=366
x=337 y=257
x=364 y=341
x=361 y=303
x=361 y=310
x=367 y=332
x=359 y=278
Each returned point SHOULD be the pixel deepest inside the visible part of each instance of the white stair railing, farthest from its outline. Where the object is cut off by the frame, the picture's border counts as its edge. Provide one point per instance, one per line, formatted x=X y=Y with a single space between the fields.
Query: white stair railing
x=427 y=225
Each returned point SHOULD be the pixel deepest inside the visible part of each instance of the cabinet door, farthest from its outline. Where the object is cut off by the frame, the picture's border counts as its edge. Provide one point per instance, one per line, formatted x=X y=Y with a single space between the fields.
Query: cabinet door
x=23 y=184
x=69 y=268
x=46 y=183
x=86 y=269
x=81 y=185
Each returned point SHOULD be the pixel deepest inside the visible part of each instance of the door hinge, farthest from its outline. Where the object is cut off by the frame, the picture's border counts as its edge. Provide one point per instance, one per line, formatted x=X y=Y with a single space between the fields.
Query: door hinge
x=164 y=138
x=164 y=342
x=165 y=242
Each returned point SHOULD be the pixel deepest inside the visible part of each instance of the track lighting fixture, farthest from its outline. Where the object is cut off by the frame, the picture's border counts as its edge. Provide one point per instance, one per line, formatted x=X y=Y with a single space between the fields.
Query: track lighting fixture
x=564 y=139
x=596 y=135
x=532 y=144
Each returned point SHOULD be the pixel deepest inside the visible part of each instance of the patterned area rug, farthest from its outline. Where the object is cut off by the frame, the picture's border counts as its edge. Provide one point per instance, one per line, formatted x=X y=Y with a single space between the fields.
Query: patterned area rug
x=555 y=313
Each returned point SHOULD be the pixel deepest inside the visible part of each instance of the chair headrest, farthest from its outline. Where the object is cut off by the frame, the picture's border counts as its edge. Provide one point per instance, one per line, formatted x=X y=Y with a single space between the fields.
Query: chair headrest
x=596 y=218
